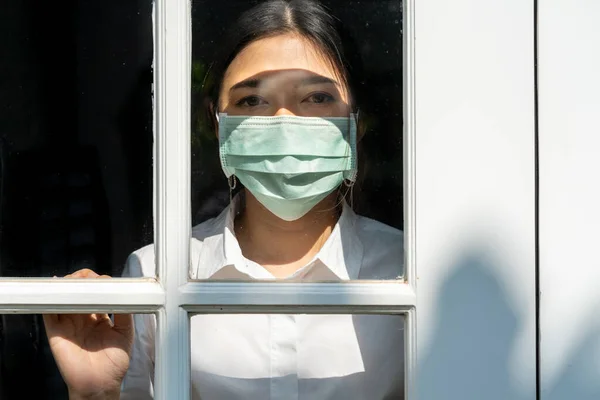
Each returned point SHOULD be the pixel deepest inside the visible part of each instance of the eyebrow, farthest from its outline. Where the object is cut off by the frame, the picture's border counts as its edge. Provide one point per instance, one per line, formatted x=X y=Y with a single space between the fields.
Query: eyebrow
x=248 y=83
x=312 y=80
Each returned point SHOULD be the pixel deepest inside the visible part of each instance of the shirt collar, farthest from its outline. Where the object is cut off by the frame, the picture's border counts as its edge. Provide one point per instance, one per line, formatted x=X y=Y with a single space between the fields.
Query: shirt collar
x=342 y=252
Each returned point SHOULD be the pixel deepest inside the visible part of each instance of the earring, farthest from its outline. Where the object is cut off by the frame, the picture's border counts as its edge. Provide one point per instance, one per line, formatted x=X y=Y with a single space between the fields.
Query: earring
x=232 y=182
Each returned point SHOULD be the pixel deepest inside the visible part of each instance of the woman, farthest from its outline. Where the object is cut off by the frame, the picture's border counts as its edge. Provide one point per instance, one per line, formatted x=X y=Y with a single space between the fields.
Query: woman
x=284 y=112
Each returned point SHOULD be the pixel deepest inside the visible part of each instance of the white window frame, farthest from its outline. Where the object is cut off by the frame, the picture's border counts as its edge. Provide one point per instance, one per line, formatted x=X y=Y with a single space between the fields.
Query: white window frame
x=171 y=297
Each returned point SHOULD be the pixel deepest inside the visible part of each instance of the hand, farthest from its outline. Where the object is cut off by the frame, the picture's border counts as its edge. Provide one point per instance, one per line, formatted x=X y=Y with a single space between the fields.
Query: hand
x=91 y=352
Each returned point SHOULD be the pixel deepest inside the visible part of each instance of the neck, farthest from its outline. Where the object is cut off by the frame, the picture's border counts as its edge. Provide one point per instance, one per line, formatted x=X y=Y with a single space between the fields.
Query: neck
x=282 y=247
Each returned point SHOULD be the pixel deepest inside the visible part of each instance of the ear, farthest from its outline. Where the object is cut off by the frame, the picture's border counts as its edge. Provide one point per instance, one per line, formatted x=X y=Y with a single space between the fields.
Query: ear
x=361 y=126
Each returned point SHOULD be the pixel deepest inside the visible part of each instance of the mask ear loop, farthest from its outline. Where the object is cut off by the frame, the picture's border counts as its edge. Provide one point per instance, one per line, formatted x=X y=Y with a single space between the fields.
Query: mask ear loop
x=232 y=182
x=347 y=182
x=350 y=185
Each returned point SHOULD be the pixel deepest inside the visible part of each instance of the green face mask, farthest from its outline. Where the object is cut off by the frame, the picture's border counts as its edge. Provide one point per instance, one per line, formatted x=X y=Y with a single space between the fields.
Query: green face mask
x=288 y=163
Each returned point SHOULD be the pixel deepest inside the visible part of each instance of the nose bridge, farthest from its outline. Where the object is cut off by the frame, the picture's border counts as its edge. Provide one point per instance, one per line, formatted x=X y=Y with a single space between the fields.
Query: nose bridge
x=283 y=96
x=284 y=110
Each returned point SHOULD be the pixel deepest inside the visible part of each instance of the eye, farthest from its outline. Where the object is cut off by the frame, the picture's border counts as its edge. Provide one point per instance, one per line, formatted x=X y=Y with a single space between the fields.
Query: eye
x=319 y=98
x=250 y=101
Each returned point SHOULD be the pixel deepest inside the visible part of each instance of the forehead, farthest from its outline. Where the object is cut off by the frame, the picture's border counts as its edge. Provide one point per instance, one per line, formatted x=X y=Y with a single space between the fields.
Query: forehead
x=277 y=53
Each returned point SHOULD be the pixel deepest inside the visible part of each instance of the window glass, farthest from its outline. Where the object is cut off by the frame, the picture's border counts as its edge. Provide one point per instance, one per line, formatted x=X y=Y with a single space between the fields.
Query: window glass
x=280 y=177
x=75 y=135
x=28 y=369
x=261 y=356
x=26 y=358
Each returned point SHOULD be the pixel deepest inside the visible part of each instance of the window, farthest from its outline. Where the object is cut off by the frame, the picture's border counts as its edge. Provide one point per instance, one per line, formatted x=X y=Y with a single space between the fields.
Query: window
x=170 y=296
x=99 y=114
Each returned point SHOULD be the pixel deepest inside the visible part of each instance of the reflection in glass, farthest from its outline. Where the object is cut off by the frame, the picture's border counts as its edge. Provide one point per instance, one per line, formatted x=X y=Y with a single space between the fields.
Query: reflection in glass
x=261 y=356
x=75 y=136
x=271 y=116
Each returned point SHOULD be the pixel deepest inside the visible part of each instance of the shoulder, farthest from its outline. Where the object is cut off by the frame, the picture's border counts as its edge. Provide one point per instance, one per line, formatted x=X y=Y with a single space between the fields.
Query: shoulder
x=206 y=247
x=209 y=228
x=141 y=263
x=383 y=249
x=371 y=227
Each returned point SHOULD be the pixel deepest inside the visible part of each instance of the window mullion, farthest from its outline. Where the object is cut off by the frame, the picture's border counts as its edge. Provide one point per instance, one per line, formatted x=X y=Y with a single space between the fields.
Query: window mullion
x=369 y=296
x=172 y=196
x=409 y=140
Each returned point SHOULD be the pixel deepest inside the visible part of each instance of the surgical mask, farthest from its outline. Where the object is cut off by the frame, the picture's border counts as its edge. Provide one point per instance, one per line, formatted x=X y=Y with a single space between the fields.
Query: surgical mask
x=288 y=163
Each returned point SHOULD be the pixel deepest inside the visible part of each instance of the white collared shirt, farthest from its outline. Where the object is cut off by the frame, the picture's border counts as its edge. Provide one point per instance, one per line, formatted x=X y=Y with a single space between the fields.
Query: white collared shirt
x=281 y=357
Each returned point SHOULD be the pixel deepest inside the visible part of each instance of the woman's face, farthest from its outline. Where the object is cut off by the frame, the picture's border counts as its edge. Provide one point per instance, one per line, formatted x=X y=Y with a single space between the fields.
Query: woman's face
x=283 y=75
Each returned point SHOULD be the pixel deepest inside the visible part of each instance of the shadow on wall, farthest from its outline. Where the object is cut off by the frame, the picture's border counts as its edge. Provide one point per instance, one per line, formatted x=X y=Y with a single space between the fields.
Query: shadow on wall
x=581 y=379
x=476 y=333
x=475 y=325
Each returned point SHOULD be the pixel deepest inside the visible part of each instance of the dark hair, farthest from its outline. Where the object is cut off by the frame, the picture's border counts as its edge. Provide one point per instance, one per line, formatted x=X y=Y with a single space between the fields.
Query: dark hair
x=308 y=18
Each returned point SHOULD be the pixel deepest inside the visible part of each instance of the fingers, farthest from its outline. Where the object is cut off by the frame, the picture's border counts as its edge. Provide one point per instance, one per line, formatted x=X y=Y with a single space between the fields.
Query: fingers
x=52 y=320
x=83 y=273
x=123 y=323
x=86 y=273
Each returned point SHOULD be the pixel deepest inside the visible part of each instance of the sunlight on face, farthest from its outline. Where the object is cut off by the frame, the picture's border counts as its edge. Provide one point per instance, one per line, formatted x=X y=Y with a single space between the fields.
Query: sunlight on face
x=283 y=75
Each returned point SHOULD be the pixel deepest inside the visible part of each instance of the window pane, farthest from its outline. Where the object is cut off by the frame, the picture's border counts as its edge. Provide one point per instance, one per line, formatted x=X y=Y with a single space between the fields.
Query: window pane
x=261 y=356
x=28 y=369
x=286 y=182
x=75 y=135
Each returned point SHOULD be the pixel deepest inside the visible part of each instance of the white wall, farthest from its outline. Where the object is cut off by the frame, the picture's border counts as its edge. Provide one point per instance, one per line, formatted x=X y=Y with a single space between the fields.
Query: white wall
x=475 y=182
x=569 y=131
